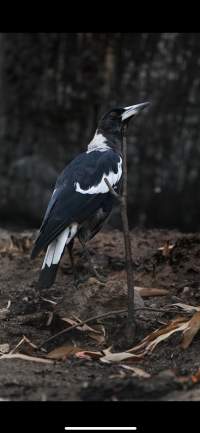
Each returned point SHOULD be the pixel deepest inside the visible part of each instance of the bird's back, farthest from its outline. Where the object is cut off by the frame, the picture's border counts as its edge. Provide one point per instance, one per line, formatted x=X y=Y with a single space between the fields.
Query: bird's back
x=79 y=192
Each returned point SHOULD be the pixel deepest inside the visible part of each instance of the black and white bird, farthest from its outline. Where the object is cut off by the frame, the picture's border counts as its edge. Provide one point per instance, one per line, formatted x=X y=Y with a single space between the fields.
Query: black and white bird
x=81 y=201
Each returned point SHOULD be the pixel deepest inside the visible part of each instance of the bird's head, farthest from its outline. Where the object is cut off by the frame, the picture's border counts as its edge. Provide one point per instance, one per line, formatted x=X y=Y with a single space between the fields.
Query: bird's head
x=114 y=120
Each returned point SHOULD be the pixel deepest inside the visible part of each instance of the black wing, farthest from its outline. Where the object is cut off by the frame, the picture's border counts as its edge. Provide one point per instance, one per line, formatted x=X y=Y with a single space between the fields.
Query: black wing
x=77 y=193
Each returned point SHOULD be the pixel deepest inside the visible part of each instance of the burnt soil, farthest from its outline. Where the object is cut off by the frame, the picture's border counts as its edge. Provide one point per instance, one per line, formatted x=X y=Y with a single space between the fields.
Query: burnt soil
x=32 y=315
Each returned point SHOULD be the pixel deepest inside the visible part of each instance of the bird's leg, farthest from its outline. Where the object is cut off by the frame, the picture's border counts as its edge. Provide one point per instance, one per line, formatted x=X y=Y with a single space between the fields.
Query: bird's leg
x=70 y=251
x=71 y=256
x=77 y=278
x=91 y=263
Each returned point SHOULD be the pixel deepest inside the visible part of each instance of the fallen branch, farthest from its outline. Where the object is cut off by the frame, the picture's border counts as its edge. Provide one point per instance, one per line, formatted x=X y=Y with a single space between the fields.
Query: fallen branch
x=83 y=322
x=102 y=316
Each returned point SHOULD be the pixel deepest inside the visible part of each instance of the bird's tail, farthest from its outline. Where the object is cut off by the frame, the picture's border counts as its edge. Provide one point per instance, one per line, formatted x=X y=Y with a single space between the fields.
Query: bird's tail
x=53 y=255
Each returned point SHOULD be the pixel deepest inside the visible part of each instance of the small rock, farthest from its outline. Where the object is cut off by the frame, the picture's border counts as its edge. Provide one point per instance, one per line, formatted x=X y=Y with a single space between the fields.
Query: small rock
x=186 y=289
x=139 y=303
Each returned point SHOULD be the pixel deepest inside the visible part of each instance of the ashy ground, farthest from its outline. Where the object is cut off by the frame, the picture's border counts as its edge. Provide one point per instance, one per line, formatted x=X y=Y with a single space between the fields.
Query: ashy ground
x=169 y=372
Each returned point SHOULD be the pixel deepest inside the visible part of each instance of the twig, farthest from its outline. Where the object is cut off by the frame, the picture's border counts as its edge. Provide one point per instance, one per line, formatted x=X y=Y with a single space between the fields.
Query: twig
x=83 y=322
x=112 y=191
x=101 y=316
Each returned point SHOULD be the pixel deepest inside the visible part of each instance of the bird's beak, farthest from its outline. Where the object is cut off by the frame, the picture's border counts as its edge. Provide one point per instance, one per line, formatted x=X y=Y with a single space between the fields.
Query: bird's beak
x=133 y=110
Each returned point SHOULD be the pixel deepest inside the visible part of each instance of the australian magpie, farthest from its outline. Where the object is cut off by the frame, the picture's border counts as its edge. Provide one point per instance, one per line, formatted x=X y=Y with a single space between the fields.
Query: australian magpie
x=81 y=200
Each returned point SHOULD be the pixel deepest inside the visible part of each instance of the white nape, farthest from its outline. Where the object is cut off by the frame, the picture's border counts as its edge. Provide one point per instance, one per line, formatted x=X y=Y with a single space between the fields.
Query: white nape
x=98 y=143
x=102 y=187
x=55 y=248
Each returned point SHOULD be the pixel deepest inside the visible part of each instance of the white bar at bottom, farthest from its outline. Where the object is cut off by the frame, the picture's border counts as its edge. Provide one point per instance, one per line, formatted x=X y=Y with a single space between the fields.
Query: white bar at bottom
x=101 y=428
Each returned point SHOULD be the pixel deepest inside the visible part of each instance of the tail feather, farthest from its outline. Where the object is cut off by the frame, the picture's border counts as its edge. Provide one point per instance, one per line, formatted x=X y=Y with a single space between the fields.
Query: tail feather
x=47 y=277
x=53 y=255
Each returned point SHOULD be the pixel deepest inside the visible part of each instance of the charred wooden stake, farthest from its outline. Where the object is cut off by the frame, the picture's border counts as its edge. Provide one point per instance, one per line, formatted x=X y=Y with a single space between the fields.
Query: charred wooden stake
x=127 y=241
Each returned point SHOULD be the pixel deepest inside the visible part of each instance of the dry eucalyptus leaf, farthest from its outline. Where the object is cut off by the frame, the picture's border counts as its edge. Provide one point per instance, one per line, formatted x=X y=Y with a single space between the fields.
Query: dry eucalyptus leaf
x=136 y=371
x=110 y=357
x=25 y=358
x=72 y=322
x=151 y=346
x=98 y=329
x=88 y=354
x=97 y=332
x=94 y=280
x=166 y=249
x=196 y=377
x=189 y=333
x=48 y=300
x=50 y=318
x=151 y=291
x=150 y=342
x=63 y=352
x=186 y=307
x=100 y=339
x=25 y=346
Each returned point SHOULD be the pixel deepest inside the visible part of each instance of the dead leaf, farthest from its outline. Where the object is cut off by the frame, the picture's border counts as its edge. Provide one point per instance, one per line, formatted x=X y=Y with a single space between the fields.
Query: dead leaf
x=166 y=249
x=196 y=377
x=150 y=342
x=100 y=339
x=189 y=333
x=16 y=243
x=63 y=352
x=50 y=318
x=48 y=300
x=96 y=328
x=26 y=358
x=4 y=348
x=72 y=322
x=94 y=280
x=151 y=291
x=110 y=357
x=136 y=371
x=25 y=346
x=88 y=354
x=96 y=332
x=186 y=307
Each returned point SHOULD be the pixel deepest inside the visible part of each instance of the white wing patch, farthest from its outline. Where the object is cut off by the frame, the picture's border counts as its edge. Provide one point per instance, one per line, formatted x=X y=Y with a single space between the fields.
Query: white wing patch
x=55 y=248
x=102 y=187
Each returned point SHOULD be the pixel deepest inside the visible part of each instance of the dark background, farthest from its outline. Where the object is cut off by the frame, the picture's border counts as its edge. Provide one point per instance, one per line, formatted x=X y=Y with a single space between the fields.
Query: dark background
x=54 y=87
